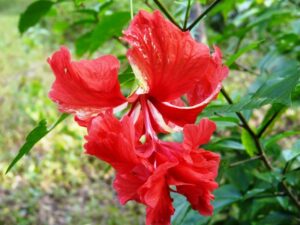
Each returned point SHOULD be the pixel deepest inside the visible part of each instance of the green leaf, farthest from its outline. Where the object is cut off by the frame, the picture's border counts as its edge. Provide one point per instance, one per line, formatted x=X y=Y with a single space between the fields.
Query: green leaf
x=270 y=177
x=82 y=43
x=127 y=81
x=280 y=136
x=254 y=192
x=104 y=5
x=276 y=89
x=225 y=121
x=182 y=209
x=34 y=137
x=127 y=77
x=296 y=93
x=33 y=14
x=79 y=2
x=242 y=51
x=229 y=119
x=225 y=144
x=233 y=175
x=109 y=26
x=184 y=214
x=248 y=142
x=278 y=218
x=225 y=196
x=91 y=12
x=280 y=16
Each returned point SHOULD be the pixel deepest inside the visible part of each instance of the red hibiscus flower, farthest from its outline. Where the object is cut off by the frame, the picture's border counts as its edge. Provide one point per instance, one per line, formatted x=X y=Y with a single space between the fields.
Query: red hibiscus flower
x=177 y=78
x=183 y=165
x=178 y=75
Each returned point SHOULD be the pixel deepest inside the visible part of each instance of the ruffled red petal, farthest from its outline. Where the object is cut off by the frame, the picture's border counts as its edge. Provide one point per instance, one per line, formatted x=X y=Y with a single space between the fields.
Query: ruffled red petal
x=112 y=141
x=166 y=60
x=202 y=93
x=199 y=196
x=85 y=87
x=155 y=195
x=196 y=169
x=181 y=115
x=170 y=64
x=211 y=80
x=128 y=184
x=195 y=179
x=196 y=135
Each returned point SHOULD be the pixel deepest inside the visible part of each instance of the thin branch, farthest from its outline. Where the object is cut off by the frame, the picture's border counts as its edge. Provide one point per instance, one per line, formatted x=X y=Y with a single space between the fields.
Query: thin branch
x=245 y=69
x=265 y=127
x=285 y=169
x=166 y=12
x=245 y=161
x=288 y=165
x=248 y=128
x=260 y=149
x=290 y=194
x=240 y=115
x=237 y=47
x=148 y=4
x=297 y=169
x=276 y=194
x=206 y=11
x=187 y=13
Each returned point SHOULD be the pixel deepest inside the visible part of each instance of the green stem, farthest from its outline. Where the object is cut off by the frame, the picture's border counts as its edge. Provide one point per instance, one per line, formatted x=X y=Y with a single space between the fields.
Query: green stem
x=60 y=119
x=209 y=8
x=131 y=9
x=166 y=12
x=187 y=13
x=261 y=152
x=245 y=161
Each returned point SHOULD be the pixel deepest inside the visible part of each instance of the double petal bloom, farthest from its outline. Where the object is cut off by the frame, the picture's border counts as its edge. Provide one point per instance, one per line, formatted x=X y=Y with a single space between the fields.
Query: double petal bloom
x=177 y=78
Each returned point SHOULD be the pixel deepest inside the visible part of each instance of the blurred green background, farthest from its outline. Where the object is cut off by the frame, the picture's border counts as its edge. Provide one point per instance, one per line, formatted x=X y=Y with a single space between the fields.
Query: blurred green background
x=57 y=184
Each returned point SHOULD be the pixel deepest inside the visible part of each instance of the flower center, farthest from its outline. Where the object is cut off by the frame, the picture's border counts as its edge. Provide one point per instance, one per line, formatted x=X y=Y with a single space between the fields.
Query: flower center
x=143 y=84
x=149 y=131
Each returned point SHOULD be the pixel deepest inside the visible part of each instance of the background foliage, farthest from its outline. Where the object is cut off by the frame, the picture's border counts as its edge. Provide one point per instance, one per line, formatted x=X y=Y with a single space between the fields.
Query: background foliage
x=257 y=113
